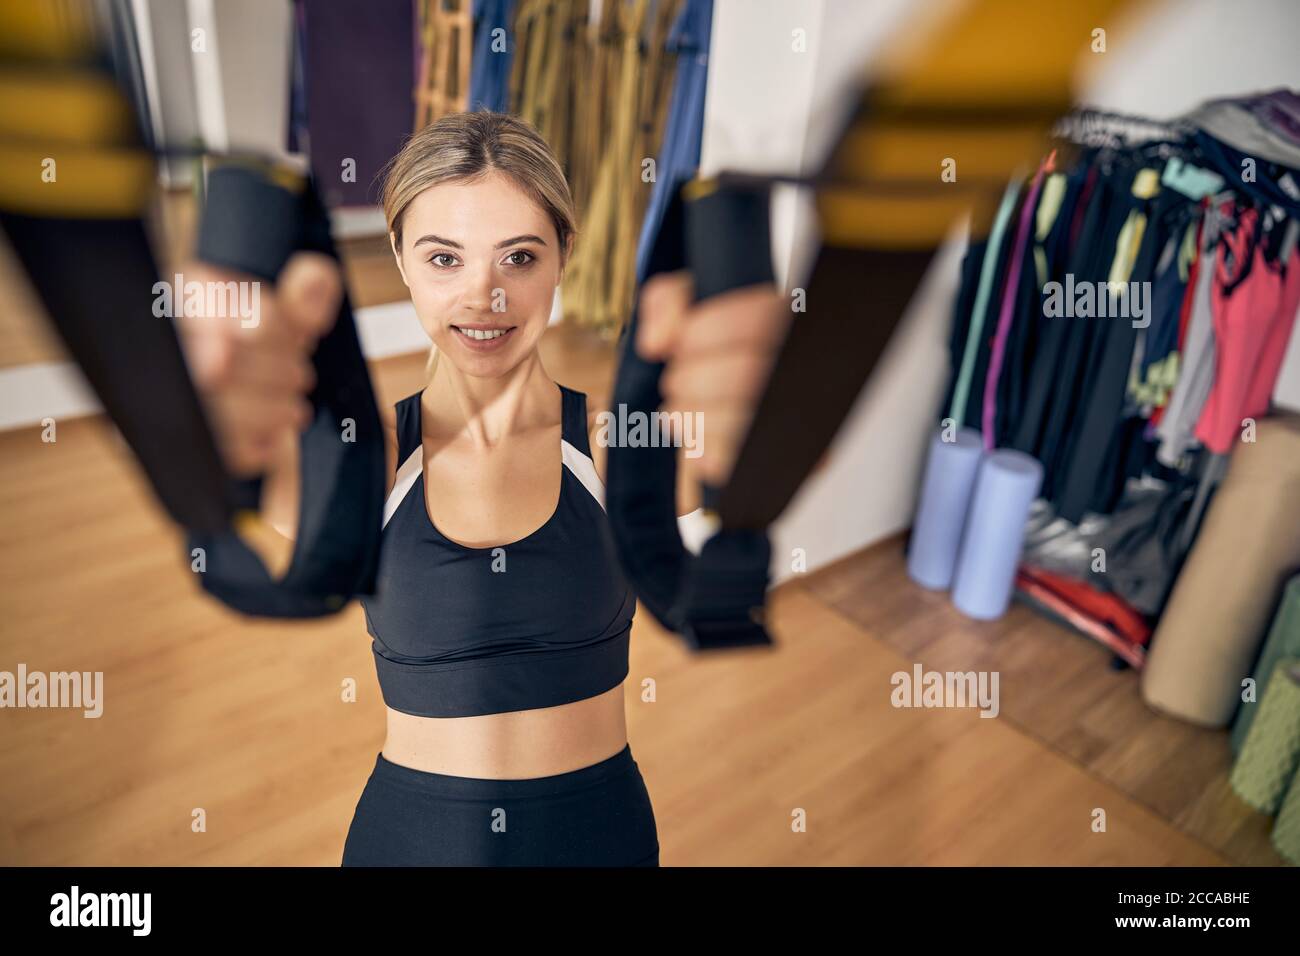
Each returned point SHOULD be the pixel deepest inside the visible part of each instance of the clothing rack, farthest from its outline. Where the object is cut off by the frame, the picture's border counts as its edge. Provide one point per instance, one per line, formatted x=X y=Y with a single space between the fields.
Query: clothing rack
x=1089 y=126
x=1106 y=405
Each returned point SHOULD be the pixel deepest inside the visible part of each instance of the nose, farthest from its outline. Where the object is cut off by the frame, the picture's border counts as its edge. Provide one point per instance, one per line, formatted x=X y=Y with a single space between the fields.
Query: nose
x=480 y=289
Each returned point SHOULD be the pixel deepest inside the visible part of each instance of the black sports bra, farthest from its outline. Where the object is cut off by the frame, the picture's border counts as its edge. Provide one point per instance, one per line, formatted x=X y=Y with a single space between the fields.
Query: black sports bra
x=461 y=631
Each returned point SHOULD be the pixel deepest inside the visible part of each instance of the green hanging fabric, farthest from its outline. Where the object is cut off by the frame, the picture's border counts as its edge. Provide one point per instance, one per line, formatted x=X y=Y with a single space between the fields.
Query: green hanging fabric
x=985 y=289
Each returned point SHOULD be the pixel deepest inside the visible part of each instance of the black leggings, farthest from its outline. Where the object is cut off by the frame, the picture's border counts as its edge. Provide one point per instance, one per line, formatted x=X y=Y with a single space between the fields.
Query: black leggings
x=599 y=815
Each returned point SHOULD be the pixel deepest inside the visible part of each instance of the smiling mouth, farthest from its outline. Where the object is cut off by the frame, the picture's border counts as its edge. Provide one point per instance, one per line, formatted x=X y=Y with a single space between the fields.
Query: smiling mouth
x=483 y=335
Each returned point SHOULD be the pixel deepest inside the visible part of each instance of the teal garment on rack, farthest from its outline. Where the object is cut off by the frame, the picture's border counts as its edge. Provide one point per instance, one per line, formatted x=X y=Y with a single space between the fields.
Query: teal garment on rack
x=988 y=277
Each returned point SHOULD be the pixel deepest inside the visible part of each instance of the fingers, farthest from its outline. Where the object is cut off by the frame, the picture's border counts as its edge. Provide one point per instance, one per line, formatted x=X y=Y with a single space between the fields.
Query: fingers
x=748 y=318
x=276 y=370
x=665 y=300
x=209 y=352
x=697 y=380
x=719 y=355
x=253 y=366
x=309 y=291
x=718 y=435
x=252 y=425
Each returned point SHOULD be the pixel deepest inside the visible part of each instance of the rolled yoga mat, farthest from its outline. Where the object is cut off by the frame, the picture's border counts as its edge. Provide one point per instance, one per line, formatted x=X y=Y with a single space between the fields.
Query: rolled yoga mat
x=946 y=490
x=1006 y=486
x=1283 y=641
x=1268 y=762
x=1286 y=828
x=1221 y=605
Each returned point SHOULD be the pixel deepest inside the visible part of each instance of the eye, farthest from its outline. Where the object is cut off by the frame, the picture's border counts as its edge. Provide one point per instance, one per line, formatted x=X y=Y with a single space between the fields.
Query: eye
x=528 y=257
x=443 y=255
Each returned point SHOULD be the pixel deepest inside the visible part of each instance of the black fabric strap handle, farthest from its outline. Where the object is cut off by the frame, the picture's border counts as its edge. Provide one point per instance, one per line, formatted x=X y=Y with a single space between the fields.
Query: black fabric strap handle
x=717 y=598
x=81 y=238
x=253 y=224
x=714 y=599
x=96 y=277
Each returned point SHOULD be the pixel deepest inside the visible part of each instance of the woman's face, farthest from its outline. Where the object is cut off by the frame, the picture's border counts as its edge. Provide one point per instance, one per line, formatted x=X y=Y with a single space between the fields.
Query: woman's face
x=482 y=261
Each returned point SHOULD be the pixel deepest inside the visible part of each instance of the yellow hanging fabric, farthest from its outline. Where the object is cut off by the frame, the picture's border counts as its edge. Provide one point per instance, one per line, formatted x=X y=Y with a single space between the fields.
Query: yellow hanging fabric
x=446 y=31
x=600 y=283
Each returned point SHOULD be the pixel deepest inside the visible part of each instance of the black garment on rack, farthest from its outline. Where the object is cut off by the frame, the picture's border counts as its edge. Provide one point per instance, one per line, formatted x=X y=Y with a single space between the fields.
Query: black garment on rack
x=1024 y=338
x=1018 y=349
x=1167 y=293
x=1145 y=541
x=1094 y=447
x=971 y=265
x=1027 y=433
x=1107 y=445
x=1066 y=397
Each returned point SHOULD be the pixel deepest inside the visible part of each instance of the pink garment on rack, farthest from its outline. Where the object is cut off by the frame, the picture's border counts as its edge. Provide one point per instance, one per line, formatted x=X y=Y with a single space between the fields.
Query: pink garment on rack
x=1259 y=394
x=1252 y=324
x=1008 y=304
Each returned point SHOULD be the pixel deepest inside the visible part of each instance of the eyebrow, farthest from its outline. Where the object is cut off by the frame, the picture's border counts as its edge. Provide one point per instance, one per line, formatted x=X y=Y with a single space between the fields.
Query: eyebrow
x=514 y=240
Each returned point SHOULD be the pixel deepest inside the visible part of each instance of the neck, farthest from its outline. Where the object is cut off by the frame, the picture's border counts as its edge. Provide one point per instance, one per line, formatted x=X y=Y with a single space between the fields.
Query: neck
x=487 y=410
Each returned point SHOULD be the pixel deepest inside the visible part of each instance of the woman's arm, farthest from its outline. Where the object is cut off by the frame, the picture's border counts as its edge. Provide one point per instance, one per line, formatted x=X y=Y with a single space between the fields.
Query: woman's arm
x=281 y=487
x=282 y=484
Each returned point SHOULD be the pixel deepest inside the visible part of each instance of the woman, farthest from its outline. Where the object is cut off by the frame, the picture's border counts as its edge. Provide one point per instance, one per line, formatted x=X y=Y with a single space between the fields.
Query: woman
x=501 y=619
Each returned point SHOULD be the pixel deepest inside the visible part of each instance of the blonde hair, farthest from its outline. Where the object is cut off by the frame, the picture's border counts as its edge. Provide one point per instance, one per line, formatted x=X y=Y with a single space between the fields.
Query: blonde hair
x=462 y=147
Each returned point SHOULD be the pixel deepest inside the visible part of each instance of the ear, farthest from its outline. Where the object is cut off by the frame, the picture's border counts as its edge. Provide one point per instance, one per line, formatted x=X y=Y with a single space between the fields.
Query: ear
x=397 y=254
x=564 y=262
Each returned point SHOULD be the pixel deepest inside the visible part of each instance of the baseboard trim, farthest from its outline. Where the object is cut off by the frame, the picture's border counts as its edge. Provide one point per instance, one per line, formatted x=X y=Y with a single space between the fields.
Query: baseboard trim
x=29 y=394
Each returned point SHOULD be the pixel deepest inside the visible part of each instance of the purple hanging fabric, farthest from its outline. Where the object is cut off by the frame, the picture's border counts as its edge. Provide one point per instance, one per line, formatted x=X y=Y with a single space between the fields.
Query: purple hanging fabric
x=359 y=80
x=1008 y=305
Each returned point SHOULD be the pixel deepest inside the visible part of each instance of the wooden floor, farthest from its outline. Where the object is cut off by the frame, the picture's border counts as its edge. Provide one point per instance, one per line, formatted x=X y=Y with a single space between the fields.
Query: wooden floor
x=244 y=720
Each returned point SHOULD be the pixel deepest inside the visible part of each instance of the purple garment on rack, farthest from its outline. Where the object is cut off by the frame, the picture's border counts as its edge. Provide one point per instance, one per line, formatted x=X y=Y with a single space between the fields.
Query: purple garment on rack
x=1277 y=110
x=359 y=79
x=1280 y=111
x=1008 y=306
x=297 y=139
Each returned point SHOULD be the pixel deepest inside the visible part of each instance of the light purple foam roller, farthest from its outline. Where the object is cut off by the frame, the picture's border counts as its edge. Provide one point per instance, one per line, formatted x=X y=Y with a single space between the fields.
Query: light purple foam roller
x=945 y=494
x=1007 y=484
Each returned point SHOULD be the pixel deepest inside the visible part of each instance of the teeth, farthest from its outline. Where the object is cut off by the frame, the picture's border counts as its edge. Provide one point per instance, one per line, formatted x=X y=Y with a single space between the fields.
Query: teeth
x=481 y=334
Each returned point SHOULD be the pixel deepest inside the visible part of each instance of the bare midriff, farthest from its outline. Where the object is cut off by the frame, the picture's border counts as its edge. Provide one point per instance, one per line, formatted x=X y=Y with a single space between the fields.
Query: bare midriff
x=515 y=745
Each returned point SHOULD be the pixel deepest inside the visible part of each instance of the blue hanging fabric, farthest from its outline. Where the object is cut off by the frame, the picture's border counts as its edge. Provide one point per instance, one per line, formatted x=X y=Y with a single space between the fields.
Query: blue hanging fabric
x=489 y=71
x=679 y=155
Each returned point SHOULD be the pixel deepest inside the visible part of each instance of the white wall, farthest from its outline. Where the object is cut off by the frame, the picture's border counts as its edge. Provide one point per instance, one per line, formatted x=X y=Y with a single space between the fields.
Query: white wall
x=162 y=27
x=241 y=76
x=771 y=109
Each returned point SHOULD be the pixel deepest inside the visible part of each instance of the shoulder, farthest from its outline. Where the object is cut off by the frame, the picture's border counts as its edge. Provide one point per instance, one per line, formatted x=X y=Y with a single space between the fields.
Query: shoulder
x=388 y=415
x=597 y=447
x=391 y=416
x=395 y=413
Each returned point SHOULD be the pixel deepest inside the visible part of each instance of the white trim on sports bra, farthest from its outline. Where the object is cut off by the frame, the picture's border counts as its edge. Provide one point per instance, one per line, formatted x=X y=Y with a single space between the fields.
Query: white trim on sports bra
x=695 y=528
x=583 y=468
x=406 y=476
